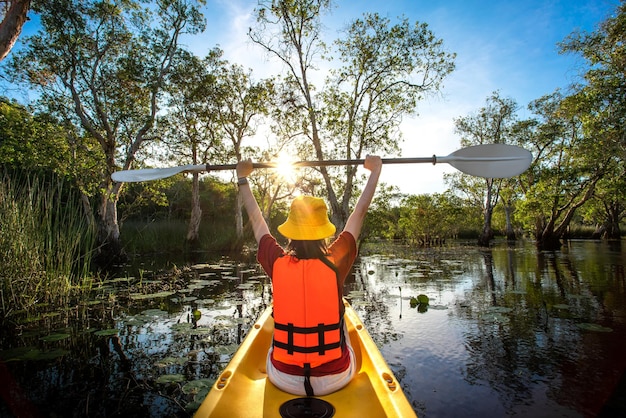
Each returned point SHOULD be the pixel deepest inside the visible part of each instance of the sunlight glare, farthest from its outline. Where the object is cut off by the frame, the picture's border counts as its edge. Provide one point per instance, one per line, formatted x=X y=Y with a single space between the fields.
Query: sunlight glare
x=285 y=169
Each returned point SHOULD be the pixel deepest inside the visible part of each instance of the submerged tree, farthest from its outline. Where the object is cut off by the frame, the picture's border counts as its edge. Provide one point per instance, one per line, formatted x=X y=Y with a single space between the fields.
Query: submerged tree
x=102 y=65
x=492 y=124
x=601 y=100
x=384 y=71
x=567 y=167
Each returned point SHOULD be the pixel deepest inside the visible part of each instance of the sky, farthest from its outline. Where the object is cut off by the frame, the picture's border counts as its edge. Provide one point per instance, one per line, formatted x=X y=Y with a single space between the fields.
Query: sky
x=508 y=46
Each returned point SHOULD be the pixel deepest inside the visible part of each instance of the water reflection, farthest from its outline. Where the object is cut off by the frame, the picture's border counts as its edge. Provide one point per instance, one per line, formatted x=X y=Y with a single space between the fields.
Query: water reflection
x=524 y=333
x=507 y=331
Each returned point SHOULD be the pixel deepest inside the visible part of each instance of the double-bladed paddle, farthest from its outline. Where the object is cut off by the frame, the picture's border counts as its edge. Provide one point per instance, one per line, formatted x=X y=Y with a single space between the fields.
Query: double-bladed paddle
x=487 y=160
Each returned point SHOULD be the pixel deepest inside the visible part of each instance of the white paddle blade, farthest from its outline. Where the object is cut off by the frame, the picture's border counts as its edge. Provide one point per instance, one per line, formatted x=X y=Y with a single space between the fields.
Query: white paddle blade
x=147 y=174
x=490 y=160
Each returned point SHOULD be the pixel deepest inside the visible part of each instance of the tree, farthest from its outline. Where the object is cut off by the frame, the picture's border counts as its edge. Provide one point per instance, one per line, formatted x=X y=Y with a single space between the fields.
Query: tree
x=242 y=103
x=492 y=124
x=190 y=127
x=383 y=214
x=601 y=100
x=102 y=66
x=566 y=169
x=38 y=144
x=13 y=18
x=430 y=219
x=607 y=208
x=384 y=70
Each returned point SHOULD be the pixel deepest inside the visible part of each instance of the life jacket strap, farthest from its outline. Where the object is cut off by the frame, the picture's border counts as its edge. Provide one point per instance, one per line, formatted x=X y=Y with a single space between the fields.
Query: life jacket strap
x=308 y=388
x=320 y=330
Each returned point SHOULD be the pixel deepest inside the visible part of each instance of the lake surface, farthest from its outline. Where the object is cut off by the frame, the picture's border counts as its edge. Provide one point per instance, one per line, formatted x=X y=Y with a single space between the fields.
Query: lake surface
x=507 y=331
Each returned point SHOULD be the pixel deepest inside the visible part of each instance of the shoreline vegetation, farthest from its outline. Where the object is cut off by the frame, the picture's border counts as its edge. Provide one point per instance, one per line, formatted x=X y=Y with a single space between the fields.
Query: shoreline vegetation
x=47 y=243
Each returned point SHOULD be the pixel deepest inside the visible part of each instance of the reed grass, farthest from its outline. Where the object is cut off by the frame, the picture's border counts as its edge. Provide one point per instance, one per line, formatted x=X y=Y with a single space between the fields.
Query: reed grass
x=45 y=243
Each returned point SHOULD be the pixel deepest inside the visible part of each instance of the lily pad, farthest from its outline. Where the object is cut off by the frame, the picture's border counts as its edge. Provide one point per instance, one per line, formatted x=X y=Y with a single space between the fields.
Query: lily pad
x=154 y=312
x=499 y=309
x=55 y=337
x=225 y=349
x=495 y=317
x=181 y=326
x=46 y=354
x=16 y=354
x=245 y=286
x=106 y=332
x=196 y=386
x=593 y=327
x=171 y=361
x=357 y=294
x=31 y=353
x=170 y=378
x=141 y=296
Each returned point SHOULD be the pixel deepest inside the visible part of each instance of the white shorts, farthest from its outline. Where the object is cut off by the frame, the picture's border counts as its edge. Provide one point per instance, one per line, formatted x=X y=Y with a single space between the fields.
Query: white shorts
x=322 y=385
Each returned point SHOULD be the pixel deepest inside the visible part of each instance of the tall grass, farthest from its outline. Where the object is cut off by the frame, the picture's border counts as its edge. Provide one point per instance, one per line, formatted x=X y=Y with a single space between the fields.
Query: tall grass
x=45 y=243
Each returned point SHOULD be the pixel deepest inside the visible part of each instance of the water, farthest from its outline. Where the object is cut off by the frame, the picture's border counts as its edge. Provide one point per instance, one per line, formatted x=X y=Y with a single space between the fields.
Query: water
x=507 y=331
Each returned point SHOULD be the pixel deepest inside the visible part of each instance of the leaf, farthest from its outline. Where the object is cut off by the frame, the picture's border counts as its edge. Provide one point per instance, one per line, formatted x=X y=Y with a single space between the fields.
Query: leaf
x=55 y=337
x=170 y=378
x=197 y=386
x=422 y=299
x=106 y=332
x=593 y=327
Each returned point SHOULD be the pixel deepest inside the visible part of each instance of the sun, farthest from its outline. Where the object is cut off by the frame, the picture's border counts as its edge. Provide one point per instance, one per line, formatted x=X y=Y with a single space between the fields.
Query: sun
x=285 y=169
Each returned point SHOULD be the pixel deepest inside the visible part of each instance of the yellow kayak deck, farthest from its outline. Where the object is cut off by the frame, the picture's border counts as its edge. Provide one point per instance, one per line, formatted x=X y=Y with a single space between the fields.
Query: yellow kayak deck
x=243 y=390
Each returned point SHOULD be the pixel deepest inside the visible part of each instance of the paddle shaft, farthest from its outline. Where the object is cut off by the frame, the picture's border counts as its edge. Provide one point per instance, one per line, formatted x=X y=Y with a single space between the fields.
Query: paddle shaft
x=313 y=163
x=322 y=163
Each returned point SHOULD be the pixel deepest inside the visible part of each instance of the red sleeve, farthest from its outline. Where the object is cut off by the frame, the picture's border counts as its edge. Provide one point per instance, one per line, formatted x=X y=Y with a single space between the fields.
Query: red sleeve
x=268 y=252
x=343 y=251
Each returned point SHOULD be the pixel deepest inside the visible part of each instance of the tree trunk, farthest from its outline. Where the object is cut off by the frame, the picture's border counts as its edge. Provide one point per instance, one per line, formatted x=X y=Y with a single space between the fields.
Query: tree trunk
x=109 y=251
x=508 y=214
x=549 y=242
x=612 y=230
x=193 y=231
x=487 y=234
x=11 y=25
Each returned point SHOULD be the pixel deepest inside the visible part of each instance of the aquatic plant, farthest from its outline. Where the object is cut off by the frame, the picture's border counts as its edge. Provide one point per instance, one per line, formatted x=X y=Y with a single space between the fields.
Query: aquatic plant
x=45 y=243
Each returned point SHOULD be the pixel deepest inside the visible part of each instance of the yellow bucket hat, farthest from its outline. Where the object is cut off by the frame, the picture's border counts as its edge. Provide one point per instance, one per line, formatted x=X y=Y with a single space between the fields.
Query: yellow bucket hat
x=307 y=220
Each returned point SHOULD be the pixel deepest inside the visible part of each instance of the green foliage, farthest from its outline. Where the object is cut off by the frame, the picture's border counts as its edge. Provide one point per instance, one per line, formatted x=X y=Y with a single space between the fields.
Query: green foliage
x=45 y=243
x=428 y=219
x=101 y=67
x=492 y=124
x=38 y=143
x=568 y=165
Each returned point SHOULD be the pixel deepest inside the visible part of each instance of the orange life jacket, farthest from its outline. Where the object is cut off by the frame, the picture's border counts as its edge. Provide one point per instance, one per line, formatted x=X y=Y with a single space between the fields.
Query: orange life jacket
x=308 y=324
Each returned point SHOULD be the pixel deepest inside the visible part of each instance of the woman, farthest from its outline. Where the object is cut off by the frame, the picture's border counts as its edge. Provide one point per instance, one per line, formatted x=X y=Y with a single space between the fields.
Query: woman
x=311 y=352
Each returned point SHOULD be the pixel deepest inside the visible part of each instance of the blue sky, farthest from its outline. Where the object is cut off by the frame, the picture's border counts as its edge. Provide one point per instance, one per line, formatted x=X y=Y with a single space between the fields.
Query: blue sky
x=510 y=46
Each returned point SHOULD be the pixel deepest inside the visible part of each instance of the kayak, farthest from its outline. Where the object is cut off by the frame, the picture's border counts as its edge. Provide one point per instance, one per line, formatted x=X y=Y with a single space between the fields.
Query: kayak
x=243 y=389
